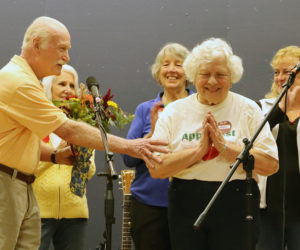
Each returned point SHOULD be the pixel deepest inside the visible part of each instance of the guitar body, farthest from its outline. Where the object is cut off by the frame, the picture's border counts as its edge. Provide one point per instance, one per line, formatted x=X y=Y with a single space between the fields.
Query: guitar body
x=127 y=178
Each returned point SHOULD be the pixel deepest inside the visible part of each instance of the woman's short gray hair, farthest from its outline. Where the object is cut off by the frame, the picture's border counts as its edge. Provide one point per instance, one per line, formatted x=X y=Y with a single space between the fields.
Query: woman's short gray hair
x=174 y=49
x=209 y=50
x=48 y=81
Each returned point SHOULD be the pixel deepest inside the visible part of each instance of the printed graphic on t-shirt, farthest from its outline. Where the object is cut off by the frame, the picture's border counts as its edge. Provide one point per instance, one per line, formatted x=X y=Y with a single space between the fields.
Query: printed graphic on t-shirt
x=191 y=139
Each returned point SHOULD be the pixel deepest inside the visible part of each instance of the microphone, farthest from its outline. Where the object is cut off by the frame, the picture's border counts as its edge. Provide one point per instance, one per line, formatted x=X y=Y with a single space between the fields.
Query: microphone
x=294 y=71
x=296 y=68
x=93 y=87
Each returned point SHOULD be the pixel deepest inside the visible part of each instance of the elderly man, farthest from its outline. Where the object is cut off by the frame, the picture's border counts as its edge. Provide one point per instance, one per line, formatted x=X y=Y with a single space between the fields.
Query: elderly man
x=26 y=117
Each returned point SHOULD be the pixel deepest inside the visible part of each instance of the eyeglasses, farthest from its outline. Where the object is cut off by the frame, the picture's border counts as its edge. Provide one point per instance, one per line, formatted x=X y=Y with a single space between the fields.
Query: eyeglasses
x=217 y=76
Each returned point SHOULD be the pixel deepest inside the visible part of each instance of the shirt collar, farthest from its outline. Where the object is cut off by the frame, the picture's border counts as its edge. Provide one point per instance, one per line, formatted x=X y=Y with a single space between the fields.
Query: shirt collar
x=22 y=63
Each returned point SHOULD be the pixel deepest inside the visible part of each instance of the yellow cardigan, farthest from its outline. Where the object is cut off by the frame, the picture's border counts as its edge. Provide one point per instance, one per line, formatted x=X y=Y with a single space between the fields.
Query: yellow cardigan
x=52 y=190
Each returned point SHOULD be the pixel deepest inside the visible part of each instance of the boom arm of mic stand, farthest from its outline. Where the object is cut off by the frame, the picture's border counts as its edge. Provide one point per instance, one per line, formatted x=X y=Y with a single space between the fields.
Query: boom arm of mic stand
x=244 y=153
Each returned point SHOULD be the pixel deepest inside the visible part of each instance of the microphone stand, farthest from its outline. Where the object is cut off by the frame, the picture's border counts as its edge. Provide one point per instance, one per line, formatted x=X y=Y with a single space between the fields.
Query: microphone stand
x=110 y=175
x=248 y=164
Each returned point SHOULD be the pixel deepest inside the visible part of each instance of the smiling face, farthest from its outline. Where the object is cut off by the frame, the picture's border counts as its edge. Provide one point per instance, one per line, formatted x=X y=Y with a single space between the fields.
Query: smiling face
x=171 y=73
x=282 y=68
x=213 y=81
x=63 y=86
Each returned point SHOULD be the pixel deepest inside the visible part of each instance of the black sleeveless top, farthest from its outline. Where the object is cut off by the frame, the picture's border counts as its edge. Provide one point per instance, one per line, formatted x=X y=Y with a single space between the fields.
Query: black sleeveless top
x=283 y=188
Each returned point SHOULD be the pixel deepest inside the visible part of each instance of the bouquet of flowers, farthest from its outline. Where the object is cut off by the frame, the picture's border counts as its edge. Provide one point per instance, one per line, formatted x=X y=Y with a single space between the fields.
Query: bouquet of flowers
x=81 y=109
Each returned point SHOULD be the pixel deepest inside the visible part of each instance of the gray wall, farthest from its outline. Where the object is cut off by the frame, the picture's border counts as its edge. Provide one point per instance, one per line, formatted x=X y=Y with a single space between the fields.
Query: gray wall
x=117 y=40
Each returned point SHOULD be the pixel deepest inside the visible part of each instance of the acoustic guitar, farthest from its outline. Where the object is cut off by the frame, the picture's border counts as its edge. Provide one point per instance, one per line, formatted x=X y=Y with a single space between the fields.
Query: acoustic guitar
x=127 y=178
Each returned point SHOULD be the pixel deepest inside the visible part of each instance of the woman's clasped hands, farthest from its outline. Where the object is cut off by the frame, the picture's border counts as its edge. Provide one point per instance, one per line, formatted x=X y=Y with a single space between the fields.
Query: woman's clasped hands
x=212 y=142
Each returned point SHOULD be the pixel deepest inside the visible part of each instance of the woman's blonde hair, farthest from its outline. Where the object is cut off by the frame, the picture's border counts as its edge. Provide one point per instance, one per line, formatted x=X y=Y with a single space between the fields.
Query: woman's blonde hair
x=289 y=51
x=174 y=49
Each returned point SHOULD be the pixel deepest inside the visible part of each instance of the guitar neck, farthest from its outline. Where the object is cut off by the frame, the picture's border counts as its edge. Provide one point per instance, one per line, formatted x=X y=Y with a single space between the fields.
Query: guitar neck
x=126 y=223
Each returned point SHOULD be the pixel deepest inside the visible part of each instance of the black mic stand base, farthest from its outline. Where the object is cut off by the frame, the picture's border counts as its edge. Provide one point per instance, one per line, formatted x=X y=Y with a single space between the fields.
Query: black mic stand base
x=108 y=212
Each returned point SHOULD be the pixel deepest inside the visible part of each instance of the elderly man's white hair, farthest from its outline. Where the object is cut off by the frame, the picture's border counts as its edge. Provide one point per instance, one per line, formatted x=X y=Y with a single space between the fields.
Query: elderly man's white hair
x=41 y=27
x=209 y=50
x=48 y=81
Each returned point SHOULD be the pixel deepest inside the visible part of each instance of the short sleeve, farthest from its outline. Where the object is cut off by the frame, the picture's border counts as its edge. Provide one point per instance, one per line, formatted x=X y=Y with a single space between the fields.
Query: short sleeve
x=265 y=140
x=162 y=127
x=31 y=108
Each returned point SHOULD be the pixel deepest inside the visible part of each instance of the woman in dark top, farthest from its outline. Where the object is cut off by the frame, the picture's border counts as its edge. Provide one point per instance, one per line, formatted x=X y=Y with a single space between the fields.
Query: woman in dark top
x=280 y=203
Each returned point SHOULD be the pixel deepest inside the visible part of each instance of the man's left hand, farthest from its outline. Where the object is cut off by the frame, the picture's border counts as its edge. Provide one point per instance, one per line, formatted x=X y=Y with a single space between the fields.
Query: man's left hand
x=65 y=156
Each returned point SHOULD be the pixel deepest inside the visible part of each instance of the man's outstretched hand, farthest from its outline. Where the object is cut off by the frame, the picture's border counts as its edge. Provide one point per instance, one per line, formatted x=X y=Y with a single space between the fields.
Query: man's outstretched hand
x=146 y=148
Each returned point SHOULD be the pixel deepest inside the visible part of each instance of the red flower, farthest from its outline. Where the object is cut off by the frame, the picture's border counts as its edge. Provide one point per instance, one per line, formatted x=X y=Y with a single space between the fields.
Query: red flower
x=107 y=97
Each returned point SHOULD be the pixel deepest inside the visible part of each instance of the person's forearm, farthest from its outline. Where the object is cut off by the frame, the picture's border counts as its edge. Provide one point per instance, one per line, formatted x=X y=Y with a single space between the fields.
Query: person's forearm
x=82 y=134
x=172 y=163
x=46 y=152
x=276 y=116
x=79 y=133
x=60 y=156
x=263 y=163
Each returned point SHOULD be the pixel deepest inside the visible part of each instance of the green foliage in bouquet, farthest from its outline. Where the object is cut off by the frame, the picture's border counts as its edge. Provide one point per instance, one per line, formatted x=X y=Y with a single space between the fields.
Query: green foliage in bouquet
x=78 y=108
x=114 y=115
x=81 y=109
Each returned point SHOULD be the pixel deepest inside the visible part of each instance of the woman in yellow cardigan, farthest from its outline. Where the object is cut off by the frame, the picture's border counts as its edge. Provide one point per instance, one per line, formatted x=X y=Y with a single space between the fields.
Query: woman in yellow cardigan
x=64 y=214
